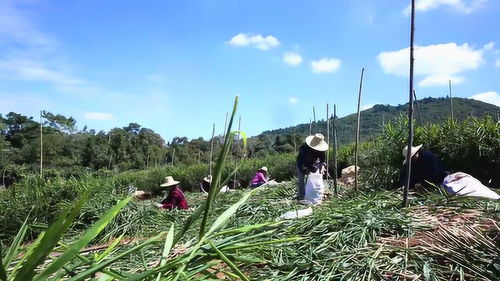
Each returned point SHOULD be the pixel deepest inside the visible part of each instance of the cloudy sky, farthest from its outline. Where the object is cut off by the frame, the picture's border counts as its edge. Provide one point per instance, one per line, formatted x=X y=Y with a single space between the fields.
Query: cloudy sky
x=175 y=66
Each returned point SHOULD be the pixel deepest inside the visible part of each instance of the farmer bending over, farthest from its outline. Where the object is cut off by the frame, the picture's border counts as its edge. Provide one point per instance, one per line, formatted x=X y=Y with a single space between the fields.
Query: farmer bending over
x=206 y=183
x=426 y=168
x=310 y=152
x=260 y=178
x=175 y=198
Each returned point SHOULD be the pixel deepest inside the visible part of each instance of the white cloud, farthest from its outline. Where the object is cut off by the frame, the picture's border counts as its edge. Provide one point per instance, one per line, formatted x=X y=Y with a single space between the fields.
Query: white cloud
x=292 y=58
x=462 y=6
x=293 y=100
x=497 y=63
x=489 y=46
x=440 y=80
x=36 y=56
x=435 y=63
x=489 y=97
x=326 y=65
x=368 y=106
x=32 y=70
x=254 y=40
x=98 y=116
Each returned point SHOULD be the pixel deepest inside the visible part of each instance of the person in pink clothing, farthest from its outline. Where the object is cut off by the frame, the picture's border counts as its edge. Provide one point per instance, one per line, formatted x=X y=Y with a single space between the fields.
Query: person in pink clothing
x=260 y=178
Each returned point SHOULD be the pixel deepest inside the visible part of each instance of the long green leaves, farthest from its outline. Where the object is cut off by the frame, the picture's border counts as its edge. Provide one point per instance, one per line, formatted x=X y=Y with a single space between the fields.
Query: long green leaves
x=90 y=234
x=16 y=244
x=3 y=273
x=216 y=177
x=53 y=234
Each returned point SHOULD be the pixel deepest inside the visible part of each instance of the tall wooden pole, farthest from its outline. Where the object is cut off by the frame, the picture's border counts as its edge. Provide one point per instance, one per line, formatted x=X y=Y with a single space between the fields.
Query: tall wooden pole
x=451 y=99
x=335 y=148
x=314 y=120
x=310 y=126
x=418 y=108
x=211 y=151
x=357 y=132
x=327 y=140
x=110 y=151
x=237 y=150
x=41 y=144
x=173 y=157
x=410 y=109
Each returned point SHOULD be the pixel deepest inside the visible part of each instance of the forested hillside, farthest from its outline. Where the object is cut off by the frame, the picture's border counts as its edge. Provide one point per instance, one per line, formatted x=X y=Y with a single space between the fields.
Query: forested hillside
x=68 y=151
x=427 y=111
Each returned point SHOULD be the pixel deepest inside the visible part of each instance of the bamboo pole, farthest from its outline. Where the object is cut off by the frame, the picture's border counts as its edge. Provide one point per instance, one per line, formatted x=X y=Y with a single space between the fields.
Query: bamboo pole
x=451 y=99
x=357 y=132
x=211 y=151
x=237 y=150
x=41 y=145
x=418 y=108
x=110 y=151
x=410 y=109
x=310 y=126
x=327 y=140
x=335 y=148
x=314 y=120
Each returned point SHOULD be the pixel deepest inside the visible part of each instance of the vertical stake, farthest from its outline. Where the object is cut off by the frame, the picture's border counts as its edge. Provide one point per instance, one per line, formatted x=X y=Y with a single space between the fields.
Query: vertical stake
x=314 y=120
x=41 y=145
x=410 y=109
x=327 y=140
x=335 y=148
x=451 y=99
x=237 y=146
x=418 y=108
x=357 y=132
x=211 y=150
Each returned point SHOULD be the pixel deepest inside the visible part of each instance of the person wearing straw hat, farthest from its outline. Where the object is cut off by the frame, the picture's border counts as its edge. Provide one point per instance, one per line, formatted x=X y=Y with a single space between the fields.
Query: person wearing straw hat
x=175 y=198
x=426 y=168
x=260 y=178
x=206 y=183
x=311 y=152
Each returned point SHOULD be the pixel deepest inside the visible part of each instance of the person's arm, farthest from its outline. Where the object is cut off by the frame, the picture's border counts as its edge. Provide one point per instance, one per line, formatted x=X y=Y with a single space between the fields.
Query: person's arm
x=169 y=202
x=262 y=178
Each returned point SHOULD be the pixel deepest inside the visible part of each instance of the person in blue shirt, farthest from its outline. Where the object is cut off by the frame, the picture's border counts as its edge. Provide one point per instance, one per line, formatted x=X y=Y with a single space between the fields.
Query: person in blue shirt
x=426 y=168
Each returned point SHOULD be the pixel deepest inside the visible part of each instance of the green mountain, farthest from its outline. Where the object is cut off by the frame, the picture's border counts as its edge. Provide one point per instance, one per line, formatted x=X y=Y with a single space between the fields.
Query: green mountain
x=427 y=110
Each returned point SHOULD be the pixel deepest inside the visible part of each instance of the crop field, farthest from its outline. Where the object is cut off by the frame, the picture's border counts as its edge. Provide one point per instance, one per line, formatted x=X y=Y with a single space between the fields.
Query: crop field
x=352 y=236
x=91 y=228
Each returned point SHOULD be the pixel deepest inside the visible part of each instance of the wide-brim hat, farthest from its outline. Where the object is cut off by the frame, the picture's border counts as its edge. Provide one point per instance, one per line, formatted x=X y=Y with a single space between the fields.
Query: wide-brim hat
x=208 y=178
x=317 y=142
x=264 y=168
x=169 y=181
x=414 y=150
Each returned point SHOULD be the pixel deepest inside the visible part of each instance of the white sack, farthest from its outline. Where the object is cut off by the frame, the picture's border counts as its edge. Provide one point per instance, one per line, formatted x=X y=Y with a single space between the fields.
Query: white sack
x=315 y=188
x=466 y=185
x=296 y=214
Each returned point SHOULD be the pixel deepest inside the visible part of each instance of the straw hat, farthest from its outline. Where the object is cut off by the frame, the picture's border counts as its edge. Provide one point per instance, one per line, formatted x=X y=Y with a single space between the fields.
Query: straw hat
x=414 y=149
x=317 y=142
x=264 y=168
x=169 y=181
x=208 y=178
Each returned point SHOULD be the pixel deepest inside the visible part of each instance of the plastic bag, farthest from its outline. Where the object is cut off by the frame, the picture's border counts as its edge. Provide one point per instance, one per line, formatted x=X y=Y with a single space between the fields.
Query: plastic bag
x=466 y=185
x=315 y=188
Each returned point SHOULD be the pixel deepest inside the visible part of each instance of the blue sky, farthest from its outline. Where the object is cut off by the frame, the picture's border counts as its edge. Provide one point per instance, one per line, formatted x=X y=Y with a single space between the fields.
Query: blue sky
x=175 y=66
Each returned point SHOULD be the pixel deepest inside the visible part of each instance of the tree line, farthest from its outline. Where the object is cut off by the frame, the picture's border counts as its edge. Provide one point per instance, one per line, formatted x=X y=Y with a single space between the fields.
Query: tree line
x=66 y=148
